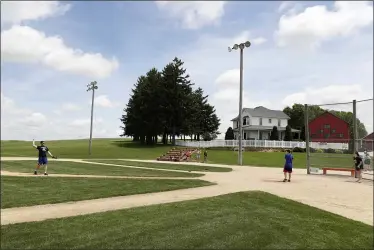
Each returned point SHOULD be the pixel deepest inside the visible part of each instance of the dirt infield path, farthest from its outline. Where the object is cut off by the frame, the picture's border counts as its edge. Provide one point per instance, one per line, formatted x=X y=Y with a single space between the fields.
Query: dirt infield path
x=337 y=194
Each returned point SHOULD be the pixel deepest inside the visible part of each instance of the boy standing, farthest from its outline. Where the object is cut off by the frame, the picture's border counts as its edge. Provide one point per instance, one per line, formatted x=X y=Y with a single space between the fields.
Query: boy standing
x=205 y=155
x=359 y=164
x=198 y=154
x=288 y=166
x=42 y=156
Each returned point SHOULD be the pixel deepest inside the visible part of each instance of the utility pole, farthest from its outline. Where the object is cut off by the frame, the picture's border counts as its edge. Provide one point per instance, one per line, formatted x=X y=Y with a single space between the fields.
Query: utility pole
x=241 y=47
x=92 y=86
x=355 y=148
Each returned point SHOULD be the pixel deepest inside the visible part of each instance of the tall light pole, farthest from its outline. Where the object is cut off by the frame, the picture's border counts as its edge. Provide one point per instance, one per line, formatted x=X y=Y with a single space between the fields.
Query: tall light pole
x=92 y=86
x=241 y=47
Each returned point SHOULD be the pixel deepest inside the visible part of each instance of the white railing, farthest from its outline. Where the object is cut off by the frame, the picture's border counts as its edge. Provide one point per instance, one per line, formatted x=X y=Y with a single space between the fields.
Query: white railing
x=259 y=144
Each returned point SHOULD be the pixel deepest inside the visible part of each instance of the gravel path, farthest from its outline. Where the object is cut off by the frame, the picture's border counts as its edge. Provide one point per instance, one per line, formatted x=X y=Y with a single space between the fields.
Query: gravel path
x=338 y=194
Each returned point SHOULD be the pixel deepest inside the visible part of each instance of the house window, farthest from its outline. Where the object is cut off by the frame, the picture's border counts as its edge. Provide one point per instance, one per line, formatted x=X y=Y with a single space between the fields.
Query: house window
x=327 y=126
x=245 y=136
x=321 y=131
x=313 y=135
x=279 y=122
x=269 y=120
x=260 y=121
x=341 y=135
x=246 y=120
x=327 y=135
x=237 y=124
x=333 y=131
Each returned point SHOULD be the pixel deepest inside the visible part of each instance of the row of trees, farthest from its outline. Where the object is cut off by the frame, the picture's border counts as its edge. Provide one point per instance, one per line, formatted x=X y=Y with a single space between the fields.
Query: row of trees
x=164 y=103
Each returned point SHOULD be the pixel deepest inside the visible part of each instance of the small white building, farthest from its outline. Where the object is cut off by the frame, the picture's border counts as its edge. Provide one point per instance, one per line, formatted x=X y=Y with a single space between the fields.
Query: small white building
x=259 y=122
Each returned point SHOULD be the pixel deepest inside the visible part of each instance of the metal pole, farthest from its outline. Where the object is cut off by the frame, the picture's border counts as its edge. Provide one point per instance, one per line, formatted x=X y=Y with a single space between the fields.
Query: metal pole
x=354 y=130
x=307 y=147
x=92 y=108
x=241 y=109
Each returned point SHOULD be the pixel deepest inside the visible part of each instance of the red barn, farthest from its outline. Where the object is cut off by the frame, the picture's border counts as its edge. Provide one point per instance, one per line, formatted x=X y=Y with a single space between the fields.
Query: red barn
x=368 y=142
x=329 y=128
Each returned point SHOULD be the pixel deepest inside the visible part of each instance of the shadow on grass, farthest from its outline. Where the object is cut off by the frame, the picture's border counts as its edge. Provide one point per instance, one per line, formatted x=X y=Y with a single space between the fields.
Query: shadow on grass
x=131 y=144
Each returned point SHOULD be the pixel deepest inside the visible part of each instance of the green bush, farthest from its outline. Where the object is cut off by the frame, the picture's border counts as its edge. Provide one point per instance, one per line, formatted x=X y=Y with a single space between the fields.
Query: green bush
x=330 y=151
x=298 y=150
x=347 y=151
x=338 y=151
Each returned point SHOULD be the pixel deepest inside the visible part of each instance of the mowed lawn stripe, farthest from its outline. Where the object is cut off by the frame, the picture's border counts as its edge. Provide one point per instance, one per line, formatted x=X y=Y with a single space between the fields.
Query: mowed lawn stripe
x=26 y=191
x=184 y=167
x=246 y=220
x=59 y=167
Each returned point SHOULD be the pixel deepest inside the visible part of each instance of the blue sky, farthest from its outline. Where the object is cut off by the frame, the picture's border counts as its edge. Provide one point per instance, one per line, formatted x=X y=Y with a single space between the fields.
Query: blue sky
x=303 y=52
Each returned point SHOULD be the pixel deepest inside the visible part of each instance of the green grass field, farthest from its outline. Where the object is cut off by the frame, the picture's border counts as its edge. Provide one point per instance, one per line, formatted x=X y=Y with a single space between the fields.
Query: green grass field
x=246 y=220
x=26 y=191
x=57 y=167
x=125 y=149
x=165 y=166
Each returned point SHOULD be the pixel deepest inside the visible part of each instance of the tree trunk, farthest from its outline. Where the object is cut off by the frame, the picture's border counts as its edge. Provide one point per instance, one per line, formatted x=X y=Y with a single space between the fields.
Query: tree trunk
x=173 y=137
x=135 y=138
x=164 y=138
x=198 y=137
x=142 y=139
x=148 y=140
x=184 y=137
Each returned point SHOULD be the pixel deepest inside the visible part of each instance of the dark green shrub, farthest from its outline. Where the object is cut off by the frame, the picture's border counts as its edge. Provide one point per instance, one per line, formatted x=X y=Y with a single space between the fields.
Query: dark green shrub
x=298 y=150
x=330 y=151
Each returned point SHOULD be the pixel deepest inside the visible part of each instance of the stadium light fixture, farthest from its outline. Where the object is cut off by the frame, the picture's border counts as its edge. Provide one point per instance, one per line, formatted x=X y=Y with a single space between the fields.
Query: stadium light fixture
x=241 y=46
x=92 y=86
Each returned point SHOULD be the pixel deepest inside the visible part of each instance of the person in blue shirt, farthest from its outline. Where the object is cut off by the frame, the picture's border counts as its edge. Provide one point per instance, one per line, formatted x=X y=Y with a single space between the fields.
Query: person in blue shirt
x=42 y=156
x=288 y=166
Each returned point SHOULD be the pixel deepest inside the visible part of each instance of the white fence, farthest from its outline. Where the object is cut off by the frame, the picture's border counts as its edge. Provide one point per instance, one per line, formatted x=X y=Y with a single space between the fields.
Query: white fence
x=260 y=144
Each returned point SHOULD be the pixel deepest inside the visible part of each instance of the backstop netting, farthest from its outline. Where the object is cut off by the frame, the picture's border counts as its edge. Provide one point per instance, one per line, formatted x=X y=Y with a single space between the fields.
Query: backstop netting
x=330 y=136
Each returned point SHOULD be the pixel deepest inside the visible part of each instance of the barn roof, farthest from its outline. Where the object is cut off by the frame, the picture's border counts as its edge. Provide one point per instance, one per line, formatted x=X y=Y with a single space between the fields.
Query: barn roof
x=369 y=137
x=330 y=114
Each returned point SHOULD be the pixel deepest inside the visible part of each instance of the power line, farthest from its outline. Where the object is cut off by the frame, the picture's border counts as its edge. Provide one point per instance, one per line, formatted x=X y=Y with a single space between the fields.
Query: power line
x=338 y=103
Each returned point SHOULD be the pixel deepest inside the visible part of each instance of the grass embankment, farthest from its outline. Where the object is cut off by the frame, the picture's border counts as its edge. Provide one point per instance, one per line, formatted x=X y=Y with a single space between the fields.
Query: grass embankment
x=125 y=149
x=247 y=220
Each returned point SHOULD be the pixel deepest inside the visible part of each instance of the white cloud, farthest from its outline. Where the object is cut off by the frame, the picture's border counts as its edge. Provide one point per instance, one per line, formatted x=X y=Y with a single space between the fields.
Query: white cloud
x=230 y=78
x=85 y=122
x=317 y=24
x=25 y=44
x=18 y=11
x=258 y=40
x=18 y=123
x=34 y=120
x=285 y=5
x=337 y=94
x=70 y=107
x=194 y=14
x=247 y=36
x=103 y=101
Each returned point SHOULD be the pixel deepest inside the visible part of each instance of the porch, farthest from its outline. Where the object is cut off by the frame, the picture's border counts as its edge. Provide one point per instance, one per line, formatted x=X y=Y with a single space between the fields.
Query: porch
x=263 y=132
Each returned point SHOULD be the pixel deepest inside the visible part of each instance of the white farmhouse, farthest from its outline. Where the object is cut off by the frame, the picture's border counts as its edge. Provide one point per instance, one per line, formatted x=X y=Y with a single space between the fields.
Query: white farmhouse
x=259 y=122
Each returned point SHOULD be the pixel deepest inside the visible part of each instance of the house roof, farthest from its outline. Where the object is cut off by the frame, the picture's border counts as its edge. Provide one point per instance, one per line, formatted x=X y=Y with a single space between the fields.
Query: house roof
x=264 y=112
x=330 y=114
